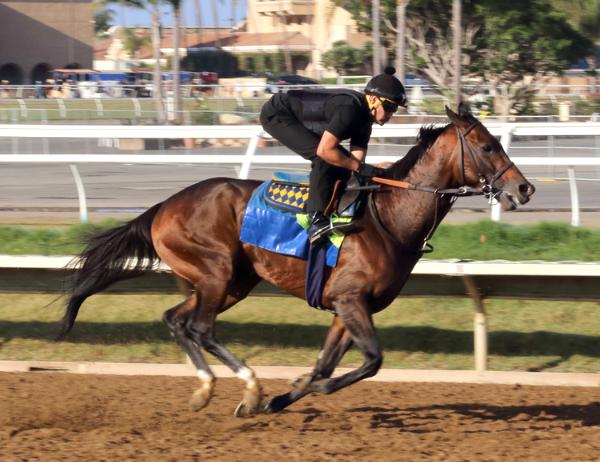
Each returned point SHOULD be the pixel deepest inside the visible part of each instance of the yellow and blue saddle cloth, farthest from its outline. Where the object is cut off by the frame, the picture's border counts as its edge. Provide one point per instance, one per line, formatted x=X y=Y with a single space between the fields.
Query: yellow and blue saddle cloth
x=276 y=220
x=288 y=191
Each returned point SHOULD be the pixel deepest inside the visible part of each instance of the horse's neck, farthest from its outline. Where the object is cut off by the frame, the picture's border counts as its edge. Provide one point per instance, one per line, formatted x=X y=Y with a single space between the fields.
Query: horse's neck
x=410 y=215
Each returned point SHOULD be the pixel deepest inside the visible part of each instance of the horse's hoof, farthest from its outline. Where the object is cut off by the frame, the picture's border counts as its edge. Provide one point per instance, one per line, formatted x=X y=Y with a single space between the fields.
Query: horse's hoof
x=200 y=399
x=249 y=404
x=276 y=404
x=300 y=383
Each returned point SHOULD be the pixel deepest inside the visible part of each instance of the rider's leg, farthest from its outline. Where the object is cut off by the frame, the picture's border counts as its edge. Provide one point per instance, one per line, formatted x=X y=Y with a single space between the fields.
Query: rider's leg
x=322 y=179
x=289 y=131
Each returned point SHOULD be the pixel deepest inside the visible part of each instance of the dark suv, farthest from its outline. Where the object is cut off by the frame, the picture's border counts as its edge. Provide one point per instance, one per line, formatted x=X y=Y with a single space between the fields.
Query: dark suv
x=283 y=83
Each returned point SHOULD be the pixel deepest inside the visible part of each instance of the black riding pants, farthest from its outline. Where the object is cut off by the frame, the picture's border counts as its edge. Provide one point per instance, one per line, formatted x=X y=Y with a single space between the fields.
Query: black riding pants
x=278 y=120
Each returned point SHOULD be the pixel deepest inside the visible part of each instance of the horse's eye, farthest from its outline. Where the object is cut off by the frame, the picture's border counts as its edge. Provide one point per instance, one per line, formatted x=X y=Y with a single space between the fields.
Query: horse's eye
x=487 y=148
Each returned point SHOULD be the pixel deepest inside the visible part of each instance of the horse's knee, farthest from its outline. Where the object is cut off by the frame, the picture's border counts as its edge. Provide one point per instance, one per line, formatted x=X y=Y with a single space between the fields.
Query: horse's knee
x=202 y=335
x=173 y=322
x=373 y=364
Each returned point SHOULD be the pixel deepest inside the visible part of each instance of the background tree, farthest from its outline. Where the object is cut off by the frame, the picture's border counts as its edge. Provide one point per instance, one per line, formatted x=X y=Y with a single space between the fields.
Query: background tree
x=152 y=7
x=134 y=41
x=347 y=60
x=584 y=16
x=341 y=57
x=428 y=33
x=520 y=46
x=176 y=61
x=510 y=45
x=103 y=19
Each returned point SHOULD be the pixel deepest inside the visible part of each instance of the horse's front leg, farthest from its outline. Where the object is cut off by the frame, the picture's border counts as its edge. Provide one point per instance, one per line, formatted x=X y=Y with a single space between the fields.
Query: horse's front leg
x=359 y=323
x=336 y=343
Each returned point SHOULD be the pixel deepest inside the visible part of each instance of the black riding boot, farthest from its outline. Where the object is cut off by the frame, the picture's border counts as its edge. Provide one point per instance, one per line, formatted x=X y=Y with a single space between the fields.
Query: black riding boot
x=321 y=226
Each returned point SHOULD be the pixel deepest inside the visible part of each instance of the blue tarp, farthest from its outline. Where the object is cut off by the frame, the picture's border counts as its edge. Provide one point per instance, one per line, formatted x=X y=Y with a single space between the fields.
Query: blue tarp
x=276 y=230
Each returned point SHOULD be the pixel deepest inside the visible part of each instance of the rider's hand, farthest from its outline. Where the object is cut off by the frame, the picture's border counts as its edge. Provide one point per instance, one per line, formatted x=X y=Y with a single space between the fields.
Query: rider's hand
x=369 y=171
x=385 y=164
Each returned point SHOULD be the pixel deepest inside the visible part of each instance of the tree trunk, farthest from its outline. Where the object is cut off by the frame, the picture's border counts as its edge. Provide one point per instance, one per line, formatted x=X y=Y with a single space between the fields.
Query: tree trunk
x=376 y=38
x=457 y=33
x=400 y=41
x=176 y=65
x=502 y=101
x=157 y=78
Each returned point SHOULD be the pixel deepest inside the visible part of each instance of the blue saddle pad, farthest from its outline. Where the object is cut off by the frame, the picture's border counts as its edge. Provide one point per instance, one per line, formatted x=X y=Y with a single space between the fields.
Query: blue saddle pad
x=279 y=230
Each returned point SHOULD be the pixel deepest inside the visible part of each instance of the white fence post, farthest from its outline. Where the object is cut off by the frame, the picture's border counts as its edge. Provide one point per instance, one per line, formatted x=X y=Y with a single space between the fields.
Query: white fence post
x=574 y=197
x=250 y=151
x=23 y=108
x=99 y=107
x=83 y=212
x=136 y=107
x=480 y=334
x=62 y=110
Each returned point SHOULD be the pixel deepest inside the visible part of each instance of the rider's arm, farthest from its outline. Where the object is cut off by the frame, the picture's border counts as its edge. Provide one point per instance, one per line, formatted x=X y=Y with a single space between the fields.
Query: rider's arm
x=330 y=151
x=359 y=153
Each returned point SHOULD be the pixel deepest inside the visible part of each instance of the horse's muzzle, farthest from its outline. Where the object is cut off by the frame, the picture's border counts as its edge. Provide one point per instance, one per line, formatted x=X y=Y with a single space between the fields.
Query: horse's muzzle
x=512 y=198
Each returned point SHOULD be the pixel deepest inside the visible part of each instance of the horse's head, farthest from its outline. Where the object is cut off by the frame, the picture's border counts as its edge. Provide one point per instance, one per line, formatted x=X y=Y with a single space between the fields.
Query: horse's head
x=482 y=161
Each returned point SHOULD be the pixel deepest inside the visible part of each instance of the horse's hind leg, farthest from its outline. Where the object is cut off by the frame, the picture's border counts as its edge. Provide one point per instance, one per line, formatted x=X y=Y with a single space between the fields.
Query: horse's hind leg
x=336 y=344
x=177 y=319
x=213 y=299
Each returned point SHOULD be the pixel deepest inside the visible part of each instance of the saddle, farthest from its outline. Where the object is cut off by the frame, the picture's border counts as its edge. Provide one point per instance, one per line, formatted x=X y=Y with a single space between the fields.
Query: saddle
x=290 y=191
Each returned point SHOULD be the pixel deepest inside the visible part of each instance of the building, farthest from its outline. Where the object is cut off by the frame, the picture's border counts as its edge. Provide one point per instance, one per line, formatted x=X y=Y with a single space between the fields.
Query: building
x=39 y=35
x=301 y=30
x=320 y=22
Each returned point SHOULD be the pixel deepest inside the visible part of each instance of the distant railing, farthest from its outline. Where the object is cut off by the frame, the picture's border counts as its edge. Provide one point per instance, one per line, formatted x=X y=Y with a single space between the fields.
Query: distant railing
x=254 y=134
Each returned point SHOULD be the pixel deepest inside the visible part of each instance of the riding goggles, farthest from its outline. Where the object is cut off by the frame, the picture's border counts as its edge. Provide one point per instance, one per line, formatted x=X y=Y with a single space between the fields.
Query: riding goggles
x=388 y=105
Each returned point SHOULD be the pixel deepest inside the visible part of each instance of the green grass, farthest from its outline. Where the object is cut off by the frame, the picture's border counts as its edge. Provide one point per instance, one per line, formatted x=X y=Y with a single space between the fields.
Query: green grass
x=484 y=240
x=34 y=240
x=414 y=332
x=117 y=109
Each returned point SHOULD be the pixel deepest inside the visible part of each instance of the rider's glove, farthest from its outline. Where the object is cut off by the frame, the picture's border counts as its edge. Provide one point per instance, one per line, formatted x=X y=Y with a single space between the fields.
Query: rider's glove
x=369 y=171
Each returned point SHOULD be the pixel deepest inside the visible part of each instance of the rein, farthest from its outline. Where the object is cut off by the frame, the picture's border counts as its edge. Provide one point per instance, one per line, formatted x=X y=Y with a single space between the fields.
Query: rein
x=486 y=189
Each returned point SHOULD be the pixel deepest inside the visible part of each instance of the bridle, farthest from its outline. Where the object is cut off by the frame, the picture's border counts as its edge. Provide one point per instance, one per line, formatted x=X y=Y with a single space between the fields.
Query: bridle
x=486 y=189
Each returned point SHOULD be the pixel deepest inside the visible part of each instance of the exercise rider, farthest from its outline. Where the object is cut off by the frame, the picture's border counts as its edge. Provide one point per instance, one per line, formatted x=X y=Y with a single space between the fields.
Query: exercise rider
x=314 y=122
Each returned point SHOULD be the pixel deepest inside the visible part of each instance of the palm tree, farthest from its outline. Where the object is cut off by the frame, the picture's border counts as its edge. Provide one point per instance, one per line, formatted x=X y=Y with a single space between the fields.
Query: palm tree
x=135 y=41
x=103 y=19
x=152 y=7
x=456 y=35
x=176 y=5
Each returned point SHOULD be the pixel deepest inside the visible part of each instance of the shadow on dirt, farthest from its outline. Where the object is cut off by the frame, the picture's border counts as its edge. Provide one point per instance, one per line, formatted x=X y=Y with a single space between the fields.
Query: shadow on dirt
x=416 y=418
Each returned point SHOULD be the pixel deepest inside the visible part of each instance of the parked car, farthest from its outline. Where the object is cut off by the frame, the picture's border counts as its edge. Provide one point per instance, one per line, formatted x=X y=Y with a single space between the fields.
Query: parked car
x=283 y=83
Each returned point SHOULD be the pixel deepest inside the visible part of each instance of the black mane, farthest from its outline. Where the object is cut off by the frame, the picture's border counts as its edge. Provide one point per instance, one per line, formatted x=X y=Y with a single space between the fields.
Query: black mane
x=426 y=137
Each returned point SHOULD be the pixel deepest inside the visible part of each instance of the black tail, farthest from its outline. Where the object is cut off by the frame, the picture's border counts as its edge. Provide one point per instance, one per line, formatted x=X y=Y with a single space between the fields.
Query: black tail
x=106 y=260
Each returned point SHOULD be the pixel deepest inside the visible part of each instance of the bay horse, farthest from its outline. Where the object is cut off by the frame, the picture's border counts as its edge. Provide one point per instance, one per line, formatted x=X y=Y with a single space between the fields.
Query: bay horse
x=196 y=233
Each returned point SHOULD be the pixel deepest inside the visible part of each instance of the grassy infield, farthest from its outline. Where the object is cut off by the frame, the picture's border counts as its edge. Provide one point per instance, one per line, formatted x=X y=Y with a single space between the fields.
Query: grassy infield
x=117 y=109
x=414 y=332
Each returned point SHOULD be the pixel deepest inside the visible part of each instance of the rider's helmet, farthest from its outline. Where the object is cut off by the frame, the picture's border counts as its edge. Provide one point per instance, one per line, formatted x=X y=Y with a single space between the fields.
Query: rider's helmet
x=387 y=87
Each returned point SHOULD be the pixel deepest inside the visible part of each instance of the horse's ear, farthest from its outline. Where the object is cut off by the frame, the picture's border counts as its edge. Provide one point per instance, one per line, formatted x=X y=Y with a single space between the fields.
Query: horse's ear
x=453 y=116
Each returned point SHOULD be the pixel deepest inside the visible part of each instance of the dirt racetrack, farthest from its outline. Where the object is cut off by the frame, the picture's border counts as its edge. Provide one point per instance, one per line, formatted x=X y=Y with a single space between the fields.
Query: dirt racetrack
x=64 y=417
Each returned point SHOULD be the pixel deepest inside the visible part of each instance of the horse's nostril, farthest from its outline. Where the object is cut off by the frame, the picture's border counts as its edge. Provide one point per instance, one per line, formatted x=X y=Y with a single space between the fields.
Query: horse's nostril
x=526 y=189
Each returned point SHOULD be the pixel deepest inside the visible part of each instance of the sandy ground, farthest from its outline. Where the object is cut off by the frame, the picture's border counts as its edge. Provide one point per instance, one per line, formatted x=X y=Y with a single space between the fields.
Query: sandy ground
x=53 y=416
